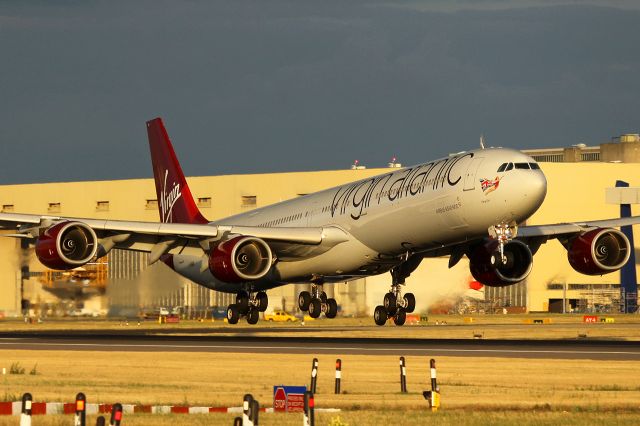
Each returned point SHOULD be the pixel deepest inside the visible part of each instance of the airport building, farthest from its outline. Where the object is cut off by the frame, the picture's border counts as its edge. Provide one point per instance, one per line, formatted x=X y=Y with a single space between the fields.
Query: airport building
x=122 y=283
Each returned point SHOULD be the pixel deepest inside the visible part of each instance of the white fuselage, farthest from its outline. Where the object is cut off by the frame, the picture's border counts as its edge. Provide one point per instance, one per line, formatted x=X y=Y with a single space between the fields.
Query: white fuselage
x=416 y=209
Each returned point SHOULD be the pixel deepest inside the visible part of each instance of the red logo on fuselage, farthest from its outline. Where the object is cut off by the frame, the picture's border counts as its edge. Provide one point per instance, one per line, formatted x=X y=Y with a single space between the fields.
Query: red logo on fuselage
x=489 y=185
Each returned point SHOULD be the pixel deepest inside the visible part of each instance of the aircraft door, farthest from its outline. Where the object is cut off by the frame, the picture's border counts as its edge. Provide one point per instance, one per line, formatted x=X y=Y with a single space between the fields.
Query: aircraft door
x=470 y=177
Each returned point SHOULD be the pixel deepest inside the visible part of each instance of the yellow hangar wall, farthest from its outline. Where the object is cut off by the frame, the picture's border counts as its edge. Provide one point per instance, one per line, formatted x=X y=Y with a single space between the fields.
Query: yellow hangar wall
x=576 y=191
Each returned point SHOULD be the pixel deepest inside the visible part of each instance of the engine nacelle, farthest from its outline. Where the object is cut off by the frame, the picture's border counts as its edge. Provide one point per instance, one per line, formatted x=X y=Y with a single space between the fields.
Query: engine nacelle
x=487 y=268
x=240 y=259
x=66 y=245
x=599 y=251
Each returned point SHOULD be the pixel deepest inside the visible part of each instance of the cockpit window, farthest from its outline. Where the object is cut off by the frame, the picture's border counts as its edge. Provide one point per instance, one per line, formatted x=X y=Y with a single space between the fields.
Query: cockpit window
x=502 y=167
x=534 y=166
x=522 y=166
x=509 y=167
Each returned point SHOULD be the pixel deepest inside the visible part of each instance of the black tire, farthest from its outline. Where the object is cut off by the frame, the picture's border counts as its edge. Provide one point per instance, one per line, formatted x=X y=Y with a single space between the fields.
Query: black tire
x=332 y=308
x=315 y=308
x=304 y=299
x=323 y=297
x=253 y=316
x=390 y=304
x=410 y=301
x=232 y=314
x=400 y=318
x=380 y=315
x=242 y=302
x=263 y=301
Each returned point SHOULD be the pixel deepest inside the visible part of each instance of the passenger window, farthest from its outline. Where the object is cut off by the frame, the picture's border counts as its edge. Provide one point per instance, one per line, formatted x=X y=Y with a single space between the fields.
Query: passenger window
x=502 y=167
x=522 y=166
x=509 y=167
x=534 y=166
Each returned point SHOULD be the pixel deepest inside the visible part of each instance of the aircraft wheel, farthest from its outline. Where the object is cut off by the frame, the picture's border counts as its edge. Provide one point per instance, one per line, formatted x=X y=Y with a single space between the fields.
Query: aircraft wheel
x=332 y=308
x=232 y=314
x=410 y=301
x=315 y=308
x=304 y=299
x=400 y=318
x=252 y=316
x=263 y=301
x=390 y=303
x=380 y=315
x=242 y=302
x=323 y=297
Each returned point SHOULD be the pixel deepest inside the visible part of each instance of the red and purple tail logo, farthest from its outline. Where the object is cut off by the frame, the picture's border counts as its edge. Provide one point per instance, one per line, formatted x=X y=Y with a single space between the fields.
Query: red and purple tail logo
x=489 y=185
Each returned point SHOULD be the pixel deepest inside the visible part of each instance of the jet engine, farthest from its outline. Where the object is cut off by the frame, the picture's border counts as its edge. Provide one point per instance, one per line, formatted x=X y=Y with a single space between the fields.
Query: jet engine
x=599 y=251
x=488 y=268
x=66 y=245
x=240 y=259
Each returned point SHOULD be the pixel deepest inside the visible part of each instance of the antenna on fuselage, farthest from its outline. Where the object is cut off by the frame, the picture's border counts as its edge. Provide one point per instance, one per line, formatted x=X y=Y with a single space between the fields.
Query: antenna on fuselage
x=482 y=141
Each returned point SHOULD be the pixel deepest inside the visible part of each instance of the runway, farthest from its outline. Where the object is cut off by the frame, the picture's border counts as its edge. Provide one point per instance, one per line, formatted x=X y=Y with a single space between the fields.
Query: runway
x=109 y=341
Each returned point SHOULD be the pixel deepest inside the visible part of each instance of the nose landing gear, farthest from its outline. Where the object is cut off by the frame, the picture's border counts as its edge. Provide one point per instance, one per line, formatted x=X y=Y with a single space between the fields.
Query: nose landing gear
x=247 y=304
x=316 y=302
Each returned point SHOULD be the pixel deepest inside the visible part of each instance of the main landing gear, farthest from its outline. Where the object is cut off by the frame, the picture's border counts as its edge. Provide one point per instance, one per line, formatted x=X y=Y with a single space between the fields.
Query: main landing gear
x=396 y=305
x=317 y=302
x=249 y=305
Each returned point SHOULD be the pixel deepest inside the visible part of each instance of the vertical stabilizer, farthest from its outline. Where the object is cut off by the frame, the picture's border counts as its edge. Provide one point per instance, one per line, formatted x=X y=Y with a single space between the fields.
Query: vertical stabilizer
x=175 y=202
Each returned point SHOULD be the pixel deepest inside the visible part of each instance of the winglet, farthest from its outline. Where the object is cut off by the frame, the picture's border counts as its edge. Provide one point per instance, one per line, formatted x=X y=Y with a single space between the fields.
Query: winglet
x=175 y=202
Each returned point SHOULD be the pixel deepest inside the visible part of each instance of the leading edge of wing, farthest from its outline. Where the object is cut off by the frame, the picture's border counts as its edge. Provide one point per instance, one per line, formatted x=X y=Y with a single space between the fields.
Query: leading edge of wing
x=574 y=227
x=329 y=234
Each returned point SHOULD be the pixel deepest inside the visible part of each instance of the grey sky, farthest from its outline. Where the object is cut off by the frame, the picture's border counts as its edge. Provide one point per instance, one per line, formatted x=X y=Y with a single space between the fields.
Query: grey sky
x=267 y=86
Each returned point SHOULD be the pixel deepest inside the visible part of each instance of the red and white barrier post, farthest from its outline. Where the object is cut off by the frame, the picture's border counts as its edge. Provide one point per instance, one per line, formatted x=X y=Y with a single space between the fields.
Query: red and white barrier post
x=81 y=410
x=247 y=401
x=116 y=414
x=308 y=419
x=25 y=415
x=403 y=376
x=338 y=375
x=314 y=376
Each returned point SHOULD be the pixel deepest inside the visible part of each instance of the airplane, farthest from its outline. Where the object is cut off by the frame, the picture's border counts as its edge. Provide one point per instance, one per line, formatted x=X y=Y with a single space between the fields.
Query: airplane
x=468 y=204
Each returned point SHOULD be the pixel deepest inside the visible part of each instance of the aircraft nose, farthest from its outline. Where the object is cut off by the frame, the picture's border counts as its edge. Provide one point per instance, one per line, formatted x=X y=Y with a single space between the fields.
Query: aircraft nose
x=534 y=190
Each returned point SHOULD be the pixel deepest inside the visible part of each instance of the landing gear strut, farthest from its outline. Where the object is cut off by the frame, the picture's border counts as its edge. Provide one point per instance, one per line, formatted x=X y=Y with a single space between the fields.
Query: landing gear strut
x=247 y=304
x=503 y=233
x=316 y=302
x=395 y=305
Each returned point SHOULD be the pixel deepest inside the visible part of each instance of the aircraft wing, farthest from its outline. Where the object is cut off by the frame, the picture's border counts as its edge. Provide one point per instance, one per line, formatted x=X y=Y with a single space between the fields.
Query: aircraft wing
x=157 y=238
x=565 y=229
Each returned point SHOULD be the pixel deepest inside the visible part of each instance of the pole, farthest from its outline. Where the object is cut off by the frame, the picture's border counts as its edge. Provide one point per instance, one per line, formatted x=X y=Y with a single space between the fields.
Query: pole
x=100 y=421
x=338 y=375
x=116 y=414
x=25 y=416
x=434 y=384
x=246 y=410
x=403 y=376
x=81 y=410
x=314 y=376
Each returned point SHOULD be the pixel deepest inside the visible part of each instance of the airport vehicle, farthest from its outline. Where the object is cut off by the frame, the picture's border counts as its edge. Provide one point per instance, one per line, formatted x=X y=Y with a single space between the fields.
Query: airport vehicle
x=468 y=204
x=279 y=315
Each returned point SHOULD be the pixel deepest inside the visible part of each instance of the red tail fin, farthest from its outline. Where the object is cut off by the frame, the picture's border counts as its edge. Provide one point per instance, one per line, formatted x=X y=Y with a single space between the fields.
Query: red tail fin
x=175 y=201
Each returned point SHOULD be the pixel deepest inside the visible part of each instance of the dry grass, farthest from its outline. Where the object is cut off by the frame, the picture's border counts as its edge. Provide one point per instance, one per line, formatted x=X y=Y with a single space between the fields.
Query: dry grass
x=474 y=390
